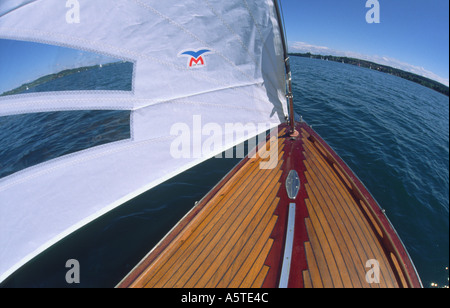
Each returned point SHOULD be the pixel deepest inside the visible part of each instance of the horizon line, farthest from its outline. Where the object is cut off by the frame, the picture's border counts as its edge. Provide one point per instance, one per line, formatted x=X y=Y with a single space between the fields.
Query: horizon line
x=384 y=60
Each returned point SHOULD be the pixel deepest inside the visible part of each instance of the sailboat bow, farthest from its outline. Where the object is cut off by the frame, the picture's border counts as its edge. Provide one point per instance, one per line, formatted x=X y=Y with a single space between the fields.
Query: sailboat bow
x=291 y=214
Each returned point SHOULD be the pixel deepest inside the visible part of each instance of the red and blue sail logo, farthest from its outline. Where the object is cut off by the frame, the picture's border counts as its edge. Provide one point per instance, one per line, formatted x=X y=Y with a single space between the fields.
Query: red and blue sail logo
x=195 y=58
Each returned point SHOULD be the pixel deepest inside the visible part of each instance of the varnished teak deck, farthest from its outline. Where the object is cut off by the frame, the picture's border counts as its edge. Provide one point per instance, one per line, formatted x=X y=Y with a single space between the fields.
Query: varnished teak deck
x=235 y=237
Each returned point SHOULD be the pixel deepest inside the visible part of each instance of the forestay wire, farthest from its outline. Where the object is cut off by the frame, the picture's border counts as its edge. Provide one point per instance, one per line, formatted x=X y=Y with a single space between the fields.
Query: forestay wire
x=289 y=95
x=284 y=27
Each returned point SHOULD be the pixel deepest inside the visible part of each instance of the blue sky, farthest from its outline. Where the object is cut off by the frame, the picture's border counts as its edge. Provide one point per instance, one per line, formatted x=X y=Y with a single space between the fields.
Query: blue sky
x=412 y=34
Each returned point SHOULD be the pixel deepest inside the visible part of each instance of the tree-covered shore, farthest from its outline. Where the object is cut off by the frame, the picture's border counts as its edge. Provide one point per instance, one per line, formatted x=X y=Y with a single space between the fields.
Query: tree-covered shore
x=432 y=84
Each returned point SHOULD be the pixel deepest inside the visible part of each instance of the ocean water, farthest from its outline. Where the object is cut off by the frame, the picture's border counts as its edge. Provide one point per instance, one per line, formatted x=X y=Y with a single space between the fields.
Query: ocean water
x=394 y=134
x=29 y=139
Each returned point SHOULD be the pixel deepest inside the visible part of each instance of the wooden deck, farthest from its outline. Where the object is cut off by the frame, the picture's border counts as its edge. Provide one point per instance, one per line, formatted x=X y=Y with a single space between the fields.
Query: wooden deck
x=236 y=236
x=340 y=238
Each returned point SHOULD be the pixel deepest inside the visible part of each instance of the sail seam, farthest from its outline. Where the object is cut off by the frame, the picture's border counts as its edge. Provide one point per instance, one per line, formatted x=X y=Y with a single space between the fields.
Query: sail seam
x=235 y=88
x=262 y=40
x=258 y=29
x=19 y=96
x=221 y=106
x=14 y=104
x=84 y=156
x=244 y=46
x=233 y=33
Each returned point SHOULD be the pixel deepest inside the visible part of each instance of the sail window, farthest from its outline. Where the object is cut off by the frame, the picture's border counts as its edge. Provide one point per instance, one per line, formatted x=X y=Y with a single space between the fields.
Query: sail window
x=30 y=67
x=30 y=139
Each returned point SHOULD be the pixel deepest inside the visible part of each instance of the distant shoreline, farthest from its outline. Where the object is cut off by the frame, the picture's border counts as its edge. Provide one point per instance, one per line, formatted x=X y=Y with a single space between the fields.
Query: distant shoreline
x=50 y=77
x=424 y=81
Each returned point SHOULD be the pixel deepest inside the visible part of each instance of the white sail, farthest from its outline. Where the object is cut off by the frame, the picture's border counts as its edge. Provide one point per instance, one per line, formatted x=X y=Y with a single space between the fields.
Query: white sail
x=214 y=60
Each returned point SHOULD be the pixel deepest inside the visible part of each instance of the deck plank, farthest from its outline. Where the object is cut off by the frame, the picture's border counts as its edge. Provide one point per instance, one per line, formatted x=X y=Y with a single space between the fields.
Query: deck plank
x=236 y=237
x=257 y=266
x=205 y=229
x=247 y=173
x=320 y=256
x=208 y=251
x=341 y=228
x=244 y=260
x=314 y=270
x=231 y=240
x=203 y=255
x=258 y=283
x=326 y=240
x=186 y=247
x=340 y=215
x=307 y=283
x=330 y=238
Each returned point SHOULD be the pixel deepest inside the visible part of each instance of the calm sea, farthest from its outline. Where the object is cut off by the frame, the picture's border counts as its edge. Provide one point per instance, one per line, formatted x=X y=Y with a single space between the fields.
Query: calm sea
x=393 y=133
